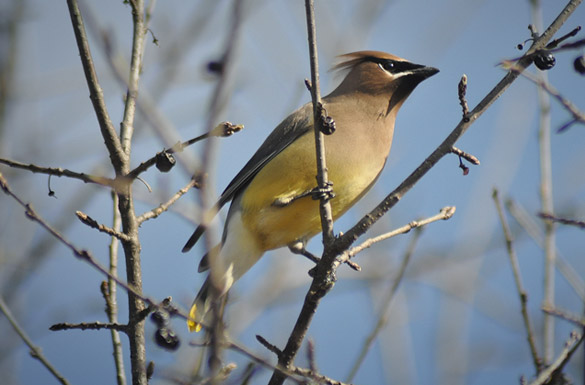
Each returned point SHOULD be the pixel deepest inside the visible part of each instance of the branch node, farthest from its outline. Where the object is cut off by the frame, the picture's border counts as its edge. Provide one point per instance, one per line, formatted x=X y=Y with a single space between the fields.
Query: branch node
x=268 y=345
x=462 y=154
x=462 y=90
x=325 y=192
x=226 y=129
x=326 y=122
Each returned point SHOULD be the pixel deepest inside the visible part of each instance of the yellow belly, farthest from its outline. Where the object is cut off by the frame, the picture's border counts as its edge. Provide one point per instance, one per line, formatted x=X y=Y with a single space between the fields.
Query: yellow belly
x=292 y=173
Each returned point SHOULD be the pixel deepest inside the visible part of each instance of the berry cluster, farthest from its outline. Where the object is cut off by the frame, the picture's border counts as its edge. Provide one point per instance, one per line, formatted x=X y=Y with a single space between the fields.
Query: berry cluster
x=165 y=337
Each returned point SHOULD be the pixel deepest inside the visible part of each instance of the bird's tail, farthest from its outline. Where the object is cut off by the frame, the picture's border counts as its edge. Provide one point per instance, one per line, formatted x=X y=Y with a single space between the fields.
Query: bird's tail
x=199 y=308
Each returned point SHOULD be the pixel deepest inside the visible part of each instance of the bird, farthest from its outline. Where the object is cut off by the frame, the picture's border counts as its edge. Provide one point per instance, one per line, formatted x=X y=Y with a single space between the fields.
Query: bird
x=271 y=203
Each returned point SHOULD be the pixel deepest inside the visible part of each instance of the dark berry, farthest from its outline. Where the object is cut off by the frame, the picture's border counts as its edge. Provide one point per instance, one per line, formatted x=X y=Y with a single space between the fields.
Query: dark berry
x=159 y=318
x=579 y=64
x=165 y=161
x=166 y=338
x=544 y=61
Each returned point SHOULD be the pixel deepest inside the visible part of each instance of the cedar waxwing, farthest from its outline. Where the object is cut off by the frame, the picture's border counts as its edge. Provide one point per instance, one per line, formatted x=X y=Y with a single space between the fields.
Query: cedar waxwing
x=271 y=204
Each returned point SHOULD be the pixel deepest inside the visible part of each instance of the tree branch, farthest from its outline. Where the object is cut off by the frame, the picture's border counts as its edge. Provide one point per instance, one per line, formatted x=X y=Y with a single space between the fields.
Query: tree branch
x=323 y=278
x=35 y=351
x=89 y=221
x=127 y=126
x=553 y=372
x=536 y=359
x=111 y=139
x=165 y=205
x=58 y=171
x=88 y=326
x=444 y=214
x=383 y=316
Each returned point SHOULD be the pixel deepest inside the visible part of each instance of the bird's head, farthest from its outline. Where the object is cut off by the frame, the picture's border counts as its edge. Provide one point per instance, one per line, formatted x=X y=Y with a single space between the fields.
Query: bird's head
x=381 y=74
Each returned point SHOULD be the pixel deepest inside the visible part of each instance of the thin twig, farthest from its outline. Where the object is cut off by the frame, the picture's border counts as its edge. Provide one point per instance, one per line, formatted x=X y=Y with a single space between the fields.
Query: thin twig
x=111 y=139
x=223 y=129
x=467 y=156
x=444 y=214
x=538 y=364
x=546 y=197
x=324 y=275
x=243 y=350
x=573 y=318
x=268 y=345
x=89 y=221
x=58 y=171
x=564 y=221
x=534 y=231
x=218 y=100
x=36 y=352
x=322 y=173
x=88 y=326
x=138 y=46
x=383 y=315
x=318 y=378
x=110 y=290
x=165 y=205
x=549 y=375
x=221 y=375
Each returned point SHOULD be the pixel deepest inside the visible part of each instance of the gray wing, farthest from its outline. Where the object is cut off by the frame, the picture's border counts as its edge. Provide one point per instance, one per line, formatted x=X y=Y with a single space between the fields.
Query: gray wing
x=295 y=125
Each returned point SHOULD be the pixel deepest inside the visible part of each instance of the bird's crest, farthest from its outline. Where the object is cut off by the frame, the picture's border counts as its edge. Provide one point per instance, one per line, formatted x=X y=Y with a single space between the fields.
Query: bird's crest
x=350 y=60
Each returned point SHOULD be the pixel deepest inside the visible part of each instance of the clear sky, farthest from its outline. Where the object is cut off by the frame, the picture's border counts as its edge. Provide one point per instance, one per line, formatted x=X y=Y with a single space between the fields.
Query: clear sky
x=456 y=317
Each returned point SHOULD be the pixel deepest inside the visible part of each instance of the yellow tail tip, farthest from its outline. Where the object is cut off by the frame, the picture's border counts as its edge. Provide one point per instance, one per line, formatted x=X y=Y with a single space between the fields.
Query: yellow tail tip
x=191 y=324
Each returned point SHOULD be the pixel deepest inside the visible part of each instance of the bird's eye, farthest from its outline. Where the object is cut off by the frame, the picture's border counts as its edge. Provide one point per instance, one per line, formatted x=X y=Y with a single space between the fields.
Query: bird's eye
x=387 y=66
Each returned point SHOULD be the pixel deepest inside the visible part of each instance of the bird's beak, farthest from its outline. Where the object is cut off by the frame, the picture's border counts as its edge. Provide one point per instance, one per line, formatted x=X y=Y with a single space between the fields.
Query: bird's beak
x=423 y=72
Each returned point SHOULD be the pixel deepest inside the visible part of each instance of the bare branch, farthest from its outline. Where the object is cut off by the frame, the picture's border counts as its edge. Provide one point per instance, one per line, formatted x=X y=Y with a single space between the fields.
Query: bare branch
x=324 y=271
x=111 y=139
x=223 y=129
x=573 y=318
x=538 y=364
x=319 y=378
x=165 y=206
x=36 y=352
x=88 y=326
x=268 y=345
x=548 y=375
x=468 y=157
x=532 y=229
x=58 y=171
x=546 y=196
x=444 y=214
x=140 y=29
x=383 y=315
x=87 y=220
x=564 y=221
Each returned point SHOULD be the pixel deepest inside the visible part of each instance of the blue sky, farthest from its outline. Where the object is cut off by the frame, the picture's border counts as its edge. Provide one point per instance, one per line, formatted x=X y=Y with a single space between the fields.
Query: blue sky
x=456 y=318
